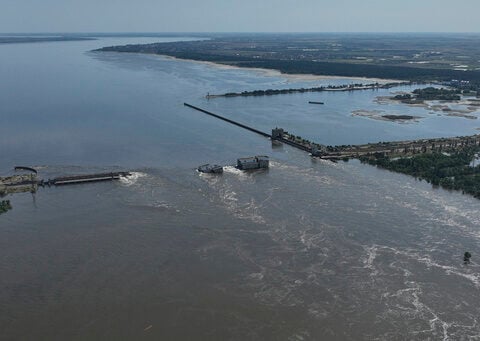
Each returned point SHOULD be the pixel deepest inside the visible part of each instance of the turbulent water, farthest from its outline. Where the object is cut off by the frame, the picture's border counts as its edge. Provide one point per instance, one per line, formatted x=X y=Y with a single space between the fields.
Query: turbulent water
x=307 y=250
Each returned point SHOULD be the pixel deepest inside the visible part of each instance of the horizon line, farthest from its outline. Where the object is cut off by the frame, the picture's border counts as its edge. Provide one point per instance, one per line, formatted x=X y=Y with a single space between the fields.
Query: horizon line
x=238 y=32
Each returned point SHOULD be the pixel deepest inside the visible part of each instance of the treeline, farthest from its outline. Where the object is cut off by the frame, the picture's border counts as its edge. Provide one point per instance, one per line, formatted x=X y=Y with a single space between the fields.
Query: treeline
x=5 y=206
x=430 y=94
x=452 y=171
x=270 y=92
x=187 y=51
x=167 y=50
x=362 y=70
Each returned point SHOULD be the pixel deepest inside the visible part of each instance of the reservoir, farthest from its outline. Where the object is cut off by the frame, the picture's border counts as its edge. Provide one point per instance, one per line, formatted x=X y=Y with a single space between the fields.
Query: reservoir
x=306 y=250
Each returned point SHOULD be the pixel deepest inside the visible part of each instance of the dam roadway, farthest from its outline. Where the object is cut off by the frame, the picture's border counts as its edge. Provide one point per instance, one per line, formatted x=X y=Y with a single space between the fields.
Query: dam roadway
x=276 y=138
x=407 y=147
x=228 y=120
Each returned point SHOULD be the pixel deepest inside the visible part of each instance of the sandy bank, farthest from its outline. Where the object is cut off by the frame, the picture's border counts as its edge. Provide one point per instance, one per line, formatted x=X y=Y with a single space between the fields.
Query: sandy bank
x=381 y=115
x=276 y=73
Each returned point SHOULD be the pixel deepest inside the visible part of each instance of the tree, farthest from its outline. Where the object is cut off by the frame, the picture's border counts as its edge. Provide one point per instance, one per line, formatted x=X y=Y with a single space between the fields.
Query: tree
x=466 y=257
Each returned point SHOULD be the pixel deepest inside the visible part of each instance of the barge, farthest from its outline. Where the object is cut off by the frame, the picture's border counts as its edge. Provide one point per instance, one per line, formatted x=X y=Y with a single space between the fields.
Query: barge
x=253 y=162
x=208 y=168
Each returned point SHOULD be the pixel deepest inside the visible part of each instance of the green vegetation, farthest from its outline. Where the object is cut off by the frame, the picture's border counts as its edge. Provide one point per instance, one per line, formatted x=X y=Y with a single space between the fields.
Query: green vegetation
x=430 y=93
x=403 y=97
x=5 y=206
x=345 y=87
x=419 y=57
x=360 y=70
x=451 y=171
x=398 y=117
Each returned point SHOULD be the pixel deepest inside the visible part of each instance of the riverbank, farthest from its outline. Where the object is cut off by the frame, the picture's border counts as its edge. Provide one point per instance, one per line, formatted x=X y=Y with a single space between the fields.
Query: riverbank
x=465 y=107
x=334 y=88
x=277 y=73
x=452 y=170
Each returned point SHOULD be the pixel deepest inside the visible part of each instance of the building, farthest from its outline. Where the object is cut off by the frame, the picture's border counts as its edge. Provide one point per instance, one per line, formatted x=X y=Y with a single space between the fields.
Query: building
x=254 y=162
x=277 y=133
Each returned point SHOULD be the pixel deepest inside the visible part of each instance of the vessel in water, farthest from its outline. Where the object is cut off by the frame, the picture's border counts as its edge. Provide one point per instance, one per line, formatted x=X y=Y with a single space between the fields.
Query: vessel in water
x=253 y=162
x=208 y=168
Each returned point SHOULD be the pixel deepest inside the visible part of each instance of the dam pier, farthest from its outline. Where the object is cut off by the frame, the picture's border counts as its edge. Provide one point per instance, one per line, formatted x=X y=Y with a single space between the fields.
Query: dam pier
x=30 y=182
x=344 y=152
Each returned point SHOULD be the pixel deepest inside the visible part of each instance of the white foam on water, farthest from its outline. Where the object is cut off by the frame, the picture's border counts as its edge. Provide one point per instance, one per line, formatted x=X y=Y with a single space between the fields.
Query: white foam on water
x=212 y=179
x=243 y=208
x=234 y=170
x=252 y=211
x=229 y=198
x=445 y=210
x=161 y=205
x=40 y=167
x=470 y=273
x=451 y=270
x=249 y=210
x=256 y=276
x=370 y=258
x=310 y=235
x=132 y=178
x=307 y=174
x=410 y=304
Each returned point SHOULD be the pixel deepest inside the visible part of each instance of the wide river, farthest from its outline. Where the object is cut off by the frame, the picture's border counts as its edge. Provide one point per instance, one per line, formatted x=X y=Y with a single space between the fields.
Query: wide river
x=308 y=250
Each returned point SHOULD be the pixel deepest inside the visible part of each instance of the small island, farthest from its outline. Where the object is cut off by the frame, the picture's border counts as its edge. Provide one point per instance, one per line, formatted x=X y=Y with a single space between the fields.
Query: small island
x=419 y=96
x=399 y=117
x=382 y=116
x=344 y=87
x=441 y=101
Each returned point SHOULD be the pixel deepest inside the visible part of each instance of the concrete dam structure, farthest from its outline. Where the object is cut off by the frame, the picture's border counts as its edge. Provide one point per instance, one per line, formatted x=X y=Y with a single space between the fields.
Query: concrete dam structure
x=355 y=151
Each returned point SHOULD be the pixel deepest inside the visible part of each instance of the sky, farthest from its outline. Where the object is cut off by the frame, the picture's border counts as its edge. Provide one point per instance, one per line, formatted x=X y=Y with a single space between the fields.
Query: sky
x=38 y=16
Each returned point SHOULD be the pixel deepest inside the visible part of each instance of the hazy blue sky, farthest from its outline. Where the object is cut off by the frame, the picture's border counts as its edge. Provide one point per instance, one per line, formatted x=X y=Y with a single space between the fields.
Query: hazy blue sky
x=239 y=16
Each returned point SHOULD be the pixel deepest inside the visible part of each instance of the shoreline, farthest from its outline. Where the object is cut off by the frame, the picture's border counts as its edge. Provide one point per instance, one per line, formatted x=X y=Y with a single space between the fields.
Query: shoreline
x=321 y=88
x=277 y=73
x=382 y=115
x=441 y=108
